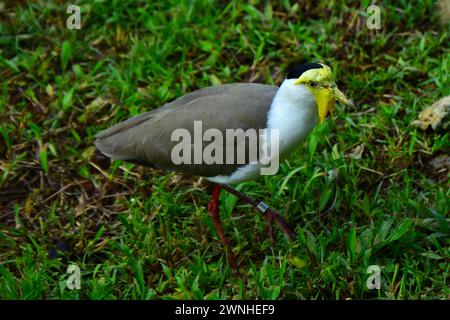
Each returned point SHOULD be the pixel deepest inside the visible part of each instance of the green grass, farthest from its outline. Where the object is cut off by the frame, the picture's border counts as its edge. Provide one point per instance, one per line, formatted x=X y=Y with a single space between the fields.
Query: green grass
x=137 y=233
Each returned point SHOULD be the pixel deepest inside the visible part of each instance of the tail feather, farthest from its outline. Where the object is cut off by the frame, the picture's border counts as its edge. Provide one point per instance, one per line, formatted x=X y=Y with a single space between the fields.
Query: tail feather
x=111 y=148
x=119 y=141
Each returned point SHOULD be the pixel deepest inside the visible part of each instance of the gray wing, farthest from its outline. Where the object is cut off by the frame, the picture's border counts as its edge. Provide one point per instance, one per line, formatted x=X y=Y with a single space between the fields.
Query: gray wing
x=146 y=138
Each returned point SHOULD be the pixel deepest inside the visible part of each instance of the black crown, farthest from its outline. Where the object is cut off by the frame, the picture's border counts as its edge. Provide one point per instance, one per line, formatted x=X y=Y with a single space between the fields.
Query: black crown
x=296 y=72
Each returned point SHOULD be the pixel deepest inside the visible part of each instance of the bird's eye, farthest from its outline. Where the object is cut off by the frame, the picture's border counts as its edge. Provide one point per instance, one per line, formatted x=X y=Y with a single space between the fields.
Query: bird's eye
x=312 y=84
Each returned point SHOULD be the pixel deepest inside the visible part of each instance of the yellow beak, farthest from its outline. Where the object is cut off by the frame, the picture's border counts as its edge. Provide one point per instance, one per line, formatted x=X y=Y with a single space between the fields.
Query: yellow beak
x=340 y=96
x=325 y=99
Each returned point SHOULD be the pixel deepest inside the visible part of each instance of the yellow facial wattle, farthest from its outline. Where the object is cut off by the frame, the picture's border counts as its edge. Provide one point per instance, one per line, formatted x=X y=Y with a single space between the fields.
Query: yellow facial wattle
x=325 y=101
x=319 y=81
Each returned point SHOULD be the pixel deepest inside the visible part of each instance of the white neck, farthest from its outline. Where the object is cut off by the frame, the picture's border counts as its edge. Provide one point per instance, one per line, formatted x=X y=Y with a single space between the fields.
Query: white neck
x=294 y=113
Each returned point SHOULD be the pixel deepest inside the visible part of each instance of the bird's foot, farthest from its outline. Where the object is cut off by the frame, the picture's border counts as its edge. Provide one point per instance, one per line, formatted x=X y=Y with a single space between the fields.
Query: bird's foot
x=272 y=215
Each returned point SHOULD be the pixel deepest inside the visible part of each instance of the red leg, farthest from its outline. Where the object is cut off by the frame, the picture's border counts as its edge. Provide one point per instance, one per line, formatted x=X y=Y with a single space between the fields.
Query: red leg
x=274 y=215
x=270 y=214
x=272 y=236
x=213 y=209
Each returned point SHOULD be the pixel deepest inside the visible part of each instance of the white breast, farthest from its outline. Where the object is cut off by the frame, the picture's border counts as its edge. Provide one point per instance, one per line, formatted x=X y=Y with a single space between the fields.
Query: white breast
x=294 y=113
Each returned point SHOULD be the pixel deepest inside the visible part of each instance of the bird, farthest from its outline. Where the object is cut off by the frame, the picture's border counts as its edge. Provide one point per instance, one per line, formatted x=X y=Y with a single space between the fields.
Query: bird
x=162 y=137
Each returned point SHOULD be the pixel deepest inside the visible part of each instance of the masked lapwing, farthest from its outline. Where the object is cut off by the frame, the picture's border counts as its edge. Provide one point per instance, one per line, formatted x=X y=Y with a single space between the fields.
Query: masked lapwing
x=169 y=137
